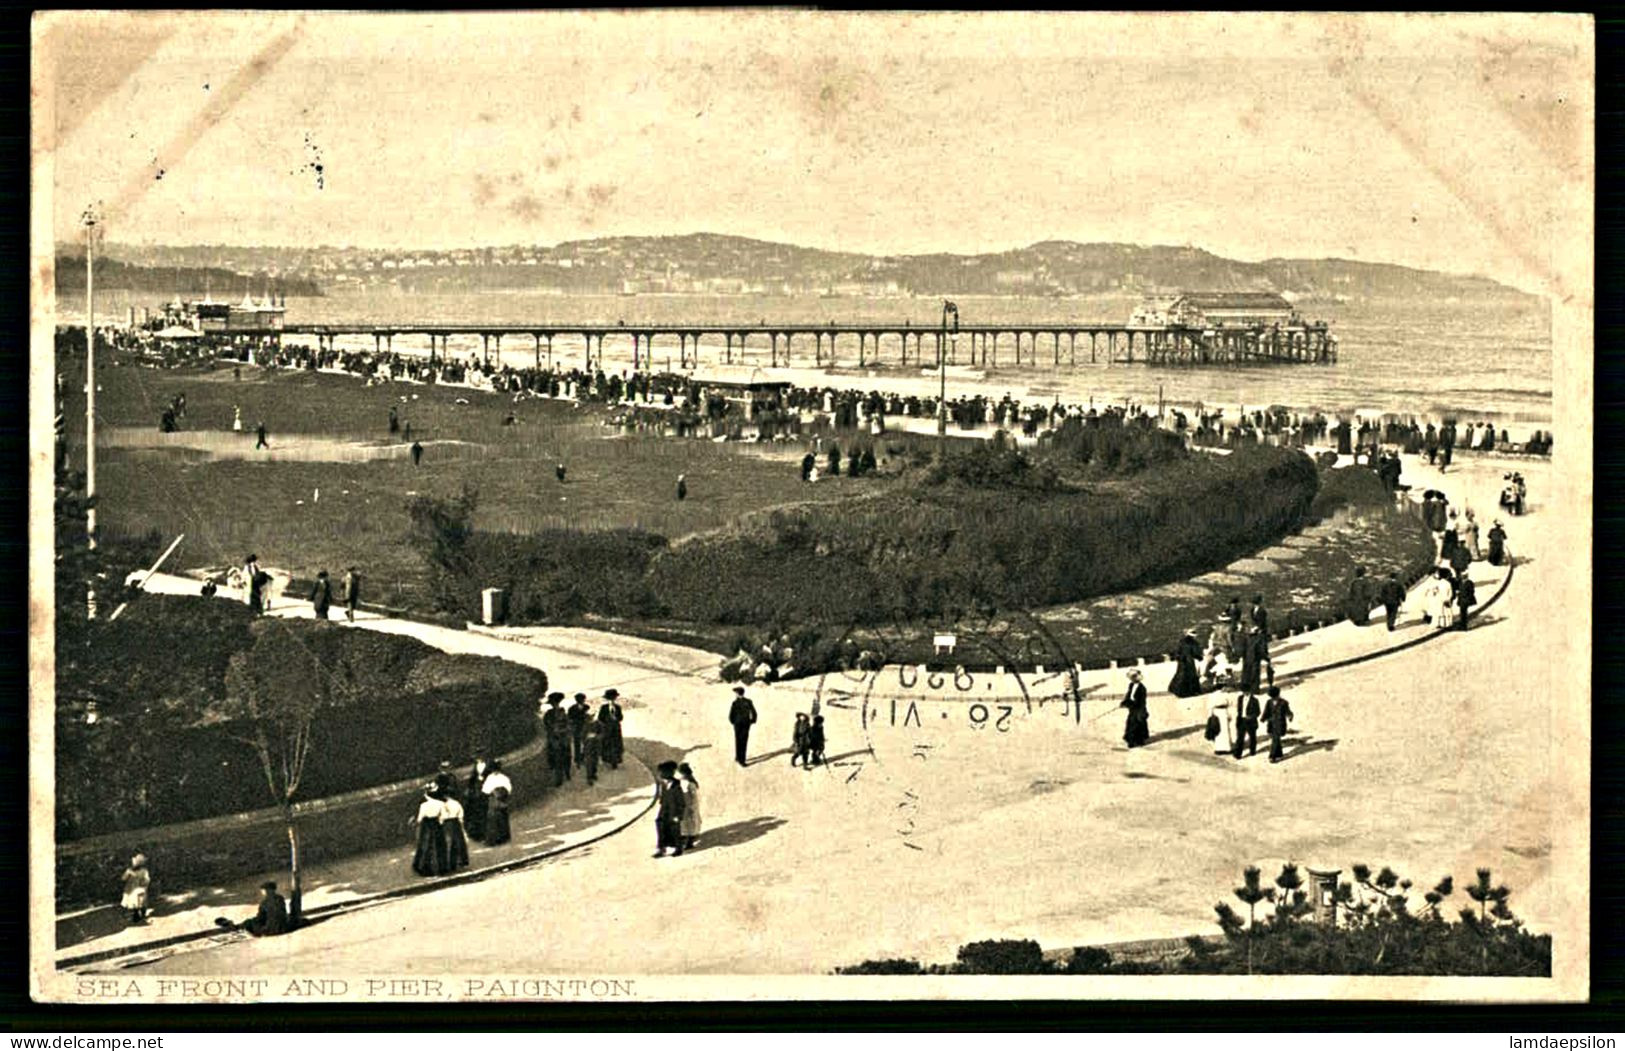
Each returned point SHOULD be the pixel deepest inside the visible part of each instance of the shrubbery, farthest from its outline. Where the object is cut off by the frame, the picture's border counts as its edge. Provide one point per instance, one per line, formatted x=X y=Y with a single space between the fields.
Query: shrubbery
x=918 y=554
x=1108 y=445
x=141 y=738
x=992 y=465
x=1004 y=956
x=1378 y=933
x=1354 y=487
x=997 y=531
x=551 y=575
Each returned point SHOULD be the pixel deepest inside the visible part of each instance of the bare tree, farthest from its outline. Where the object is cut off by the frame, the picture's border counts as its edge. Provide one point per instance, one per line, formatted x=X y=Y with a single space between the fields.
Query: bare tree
x=273 y=692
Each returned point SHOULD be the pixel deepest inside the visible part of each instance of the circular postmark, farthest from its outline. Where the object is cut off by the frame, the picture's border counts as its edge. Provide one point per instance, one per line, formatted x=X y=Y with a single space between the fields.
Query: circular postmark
x=982 y=670
x=924 y=696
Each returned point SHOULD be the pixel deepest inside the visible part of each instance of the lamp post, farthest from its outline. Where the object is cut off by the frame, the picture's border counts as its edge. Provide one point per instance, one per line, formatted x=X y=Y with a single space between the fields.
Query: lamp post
x=91 y=221
x=948 y=309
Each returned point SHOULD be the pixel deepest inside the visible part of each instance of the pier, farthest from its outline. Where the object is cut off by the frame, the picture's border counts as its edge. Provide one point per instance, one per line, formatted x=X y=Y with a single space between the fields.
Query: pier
x=861 y=344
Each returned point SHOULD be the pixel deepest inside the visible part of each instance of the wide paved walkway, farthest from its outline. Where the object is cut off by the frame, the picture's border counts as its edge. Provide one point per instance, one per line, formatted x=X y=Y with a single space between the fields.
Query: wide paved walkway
x=564 y=819
x=922 y=836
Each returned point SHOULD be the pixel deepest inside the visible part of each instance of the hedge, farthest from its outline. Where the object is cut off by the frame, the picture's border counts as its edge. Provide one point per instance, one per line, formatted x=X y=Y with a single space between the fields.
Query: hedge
x=138 y=743
x=922 y=553
x=906 y=552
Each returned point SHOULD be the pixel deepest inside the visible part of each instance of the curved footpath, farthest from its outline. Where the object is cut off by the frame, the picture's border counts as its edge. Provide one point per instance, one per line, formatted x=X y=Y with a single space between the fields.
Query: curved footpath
x=566 y=819
x=920 y=837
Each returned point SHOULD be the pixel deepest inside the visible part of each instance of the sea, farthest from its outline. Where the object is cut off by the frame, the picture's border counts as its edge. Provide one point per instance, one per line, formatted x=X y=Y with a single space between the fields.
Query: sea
x=1485 y=359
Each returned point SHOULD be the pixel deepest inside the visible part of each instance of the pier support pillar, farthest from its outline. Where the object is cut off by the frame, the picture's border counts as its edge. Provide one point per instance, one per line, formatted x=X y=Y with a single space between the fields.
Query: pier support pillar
x=863 y=344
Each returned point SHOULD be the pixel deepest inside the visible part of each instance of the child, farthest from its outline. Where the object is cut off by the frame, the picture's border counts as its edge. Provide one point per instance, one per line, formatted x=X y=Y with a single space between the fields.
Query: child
x=136 y=881
x=799 y=739
x=815 y=740
x=592 y=748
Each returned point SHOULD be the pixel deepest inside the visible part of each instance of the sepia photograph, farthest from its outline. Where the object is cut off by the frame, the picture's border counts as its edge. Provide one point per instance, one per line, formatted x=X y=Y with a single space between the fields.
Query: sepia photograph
x=772 y=504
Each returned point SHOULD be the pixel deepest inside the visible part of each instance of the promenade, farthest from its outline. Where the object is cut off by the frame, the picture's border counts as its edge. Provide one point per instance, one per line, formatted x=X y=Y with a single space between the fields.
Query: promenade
x=1435 y=758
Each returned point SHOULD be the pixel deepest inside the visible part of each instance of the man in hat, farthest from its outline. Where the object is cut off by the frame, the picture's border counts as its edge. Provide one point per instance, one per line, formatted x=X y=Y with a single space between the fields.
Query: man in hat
x=321 y=594
x=742 y=714
x=610 y=718
x=1392 y=596
x=669 y=815
x=1277 y=714
x=257 y=579
x=272 y=918
x=1466 y=599
x=556 y=725
x=577 y=714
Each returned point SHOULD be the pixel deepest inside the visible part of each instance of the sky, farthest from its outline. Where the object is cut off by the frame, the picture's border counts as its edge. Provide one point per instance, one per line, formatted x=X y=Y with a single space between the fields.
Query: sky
x=1458 y=143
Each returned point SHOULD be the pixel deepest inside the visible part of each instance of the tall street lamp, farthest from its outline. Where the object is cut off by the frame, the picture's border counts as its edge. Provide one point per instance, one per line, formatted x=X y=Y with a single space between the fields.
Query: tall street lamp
x=948 y=310
x=92 y=223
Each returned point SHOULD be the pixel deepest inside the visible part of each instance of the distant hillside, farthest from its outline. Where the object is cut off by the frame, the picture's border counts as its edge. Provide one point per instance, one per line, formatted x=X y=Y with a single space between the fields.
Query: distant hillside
x=167 y=282
x=723 y=264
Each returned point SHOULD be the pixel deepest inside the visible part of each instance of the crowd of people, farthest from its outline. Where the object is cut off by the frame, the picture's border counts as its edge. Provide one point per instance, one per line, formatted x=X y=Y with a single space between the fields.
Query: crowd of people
x=451 y=815
x=1237 y=653
x=842 y=408
x=1232 y=728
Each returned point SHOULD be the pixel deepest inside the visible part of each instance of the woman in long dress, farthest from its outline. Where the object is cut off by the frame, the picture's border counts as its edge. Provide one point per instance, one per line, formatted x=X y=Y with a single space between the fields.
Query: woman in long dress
x=1469 y=536
x=1221 y=724
x=137 y=880
x=610 y=718
x=1498 y=538
x=1187 y=682
x=500 y=791
x=689 y=825
x=451 y=825
x=1137 y=727
x=430 y=858
x=1357 y=607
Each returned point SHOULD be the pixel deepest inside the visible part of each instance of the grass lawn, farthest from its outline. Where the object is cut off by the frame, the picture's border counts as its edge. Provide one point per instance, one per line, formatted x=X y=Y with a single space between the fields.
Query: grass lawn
x=228 y=507
x=229 y=500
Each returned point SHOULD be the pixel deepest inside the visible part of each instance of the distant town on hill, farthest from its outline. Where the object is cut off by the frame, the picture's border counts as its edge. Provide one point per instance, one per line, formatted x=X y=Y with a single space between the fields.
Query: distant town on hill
x=725 y=265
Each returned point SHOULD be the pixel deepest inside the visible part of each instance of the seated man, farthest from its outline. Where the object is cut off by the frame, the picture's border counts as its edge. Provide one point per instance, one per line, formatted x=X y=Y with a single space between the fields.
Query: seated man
x=272 y=919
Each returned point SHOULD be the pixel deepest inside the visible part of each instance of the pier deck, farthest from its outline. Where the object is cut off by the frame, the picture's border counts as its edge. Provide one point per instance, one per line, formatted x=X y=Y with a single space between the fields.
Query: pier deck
x=1056 y=344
